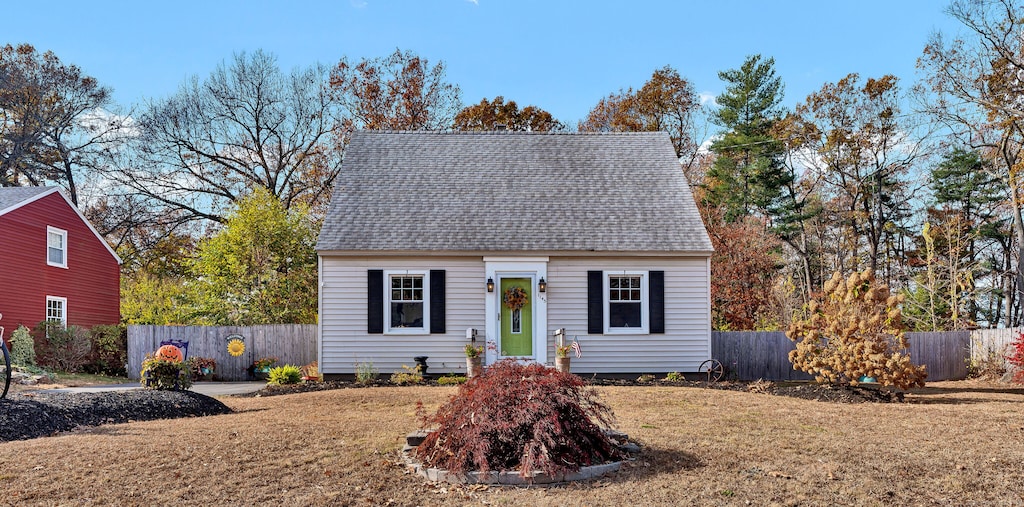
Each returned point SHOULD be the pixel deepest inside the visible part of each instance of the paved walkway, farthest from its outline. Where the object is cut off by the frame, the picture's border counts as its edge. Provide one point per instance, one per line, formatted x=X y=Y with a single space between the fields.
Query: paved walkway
x=207 y=388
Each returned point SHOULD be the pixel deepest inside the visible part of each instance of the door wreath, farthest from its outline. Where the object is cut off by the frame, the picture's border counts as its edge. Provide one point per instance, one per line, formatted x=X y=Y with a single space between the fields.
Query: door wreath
x=515 y=298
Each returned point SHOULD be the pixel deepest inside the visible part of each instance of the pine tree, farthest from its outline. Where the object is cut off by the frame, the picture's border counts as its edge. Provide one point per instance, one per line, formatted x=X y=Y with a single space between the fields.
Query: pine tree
x=748 y=175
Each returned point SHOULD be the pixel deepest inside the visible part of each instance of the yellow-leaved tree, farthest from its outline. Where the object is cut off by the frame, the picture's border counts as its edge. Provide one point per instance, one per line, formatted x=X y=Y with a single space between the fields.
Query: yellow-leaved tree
x=854 y=329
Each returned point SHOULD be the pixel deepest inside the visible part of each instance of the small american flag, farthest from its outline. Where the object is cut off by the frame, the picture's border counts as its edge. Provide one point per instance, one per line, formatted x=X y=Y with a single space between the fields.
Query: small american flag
x=576 y=348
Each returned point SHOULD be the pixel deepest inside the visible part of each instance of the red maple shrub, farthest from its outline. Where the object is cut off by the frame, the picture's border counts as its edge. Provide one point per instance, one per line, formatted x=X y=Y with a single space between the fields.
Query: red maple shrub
x=520 y=417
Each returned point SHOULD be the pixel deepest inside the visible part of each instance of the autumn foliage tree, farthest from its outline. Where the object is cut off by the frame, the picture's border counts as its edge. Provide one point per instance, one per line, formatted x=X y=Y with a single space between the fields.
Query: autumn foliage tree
x=399 y=92
x=744 y=265
x=973 y=89
x=863 y=150
x=489 y=115
x=666 y=102
x=55 y=125
x=854 y=330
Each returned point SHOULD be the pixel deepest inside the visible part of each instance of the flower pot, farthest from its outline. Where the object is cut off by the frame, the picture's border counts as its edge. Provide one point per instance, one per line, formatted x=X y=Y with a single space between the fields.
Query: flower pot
x=562 y=364
x=474 y=366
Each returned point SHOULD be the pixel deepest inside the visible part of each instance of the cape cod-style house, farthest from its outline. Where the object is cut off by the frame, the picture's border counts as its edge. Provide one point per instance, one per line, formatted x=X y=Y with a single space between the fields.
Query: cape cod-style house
x=515 y=235
x=54 y=266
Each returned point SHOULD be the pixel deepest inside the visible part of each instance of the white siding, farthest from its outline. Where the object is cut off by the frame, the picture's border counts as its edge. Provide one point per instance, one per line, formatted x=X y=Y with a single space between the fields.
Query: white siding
x=684 y=345
x=345 y=342
x=687 y=338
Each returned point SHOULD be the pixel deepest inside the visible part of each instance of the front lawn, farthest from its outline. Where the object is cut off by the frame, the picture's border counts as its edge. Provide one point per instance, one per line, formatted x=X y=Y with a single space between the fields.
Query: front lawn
x=953 y=443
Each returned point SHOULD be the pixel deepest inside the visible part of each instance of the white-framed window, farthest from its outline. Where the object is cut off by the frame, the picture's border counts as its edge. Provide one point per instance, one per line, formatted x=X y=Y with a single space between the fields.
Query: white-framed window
x=57 y=310
x=626 y=302
x=56 y=247
x=408 y=302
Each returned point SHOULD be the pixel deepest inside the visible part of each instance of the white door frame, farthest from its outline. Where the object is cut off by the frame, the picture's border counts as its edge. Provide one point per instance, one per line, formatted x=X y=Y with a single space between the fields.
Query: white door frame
x=533 y=268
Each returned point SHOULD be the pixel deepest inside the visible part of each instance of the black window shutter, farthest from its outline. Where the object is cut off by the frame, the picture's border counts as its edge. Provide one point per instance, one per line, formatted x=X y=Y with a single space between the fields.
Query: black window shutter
x=595 y=302
x=437 y=301
x=375 y=301
x=656 y=289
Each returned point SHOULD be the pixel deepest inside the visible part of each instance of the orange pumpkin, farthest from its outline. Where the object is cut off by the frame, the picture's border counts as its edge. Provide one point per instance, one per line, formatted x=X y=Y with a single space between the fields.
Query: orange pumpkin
x=169 y=353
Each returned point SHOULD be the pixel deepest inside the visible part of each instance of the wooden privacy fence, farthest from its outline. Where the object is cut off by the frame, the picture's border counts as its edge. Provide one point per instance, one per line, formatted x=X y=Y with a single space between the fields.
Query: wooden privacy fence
x=993 y=344
x=746 y=355
x=752 y=355
x=765 y=355
x=290 y=343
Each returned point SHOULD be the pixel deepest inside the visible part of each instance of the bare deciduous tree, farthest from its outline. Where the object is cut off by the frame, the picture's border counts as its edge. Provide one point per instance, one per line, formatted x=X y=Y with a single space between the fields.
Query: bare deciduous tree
x=246 y=126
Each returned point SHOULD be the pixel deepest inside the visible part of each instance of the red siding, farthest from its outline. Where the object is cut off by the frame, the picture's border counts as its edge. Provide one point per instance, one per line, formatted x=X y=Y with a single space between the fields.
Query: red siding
x=91 y=282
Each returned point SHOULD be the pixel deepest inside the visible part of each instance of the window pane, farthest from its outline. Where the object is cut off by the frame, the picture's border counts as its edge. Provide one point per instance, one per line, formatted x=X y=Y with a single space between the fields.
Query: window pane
x=55 y=255
x=396 y=283
x=396 y=294
x=406 y=283
x=624 y=315
x=55 y=310
x=406 y=314
x=56 y=240
x=613 y=282
x=417 y=282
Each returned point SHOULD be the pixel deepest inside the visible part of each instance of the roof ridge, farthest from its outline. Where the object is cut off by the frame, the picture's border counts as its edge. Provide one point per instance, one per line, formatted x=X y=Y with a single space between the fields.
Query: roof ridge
x=511 y=132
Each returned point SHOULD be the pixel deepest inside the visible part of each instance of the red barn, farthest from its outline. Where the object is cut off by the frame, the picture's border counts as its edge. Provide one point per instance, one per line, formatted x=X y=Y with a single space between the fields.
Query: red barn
x=53 y=263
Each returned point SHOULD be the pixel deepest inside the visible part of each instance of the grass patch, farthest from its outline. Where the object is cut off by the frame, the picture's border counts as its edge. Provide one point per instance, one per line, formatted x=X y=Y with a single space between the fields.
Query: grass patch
x=87 y=379
x=950 y=444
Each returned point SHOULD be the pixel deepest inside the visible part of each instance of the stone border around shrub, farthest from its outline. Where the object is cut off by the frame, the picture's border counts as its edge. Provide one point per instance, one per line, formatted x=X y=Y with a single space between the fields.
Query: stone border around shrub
x=511 y=478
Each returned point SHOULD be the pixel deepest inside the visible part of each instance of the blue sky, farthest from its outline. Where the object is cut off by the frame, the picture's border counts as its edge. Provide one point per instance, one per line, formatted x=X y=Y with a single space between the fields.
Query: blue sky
x=559 y=55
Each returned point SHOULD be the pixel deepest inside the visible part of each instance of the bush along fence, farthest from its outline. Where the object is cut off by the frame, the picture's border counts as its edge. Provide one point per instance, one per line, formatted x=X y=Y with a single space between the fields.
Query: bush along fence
x=289 y=343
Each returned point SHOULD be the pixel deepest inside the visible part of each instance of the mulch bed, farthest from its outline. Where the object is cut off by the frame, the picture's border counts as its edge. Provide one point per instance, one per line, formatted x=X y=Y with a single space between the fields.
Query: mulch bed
x=803 y=390
x=40 y=413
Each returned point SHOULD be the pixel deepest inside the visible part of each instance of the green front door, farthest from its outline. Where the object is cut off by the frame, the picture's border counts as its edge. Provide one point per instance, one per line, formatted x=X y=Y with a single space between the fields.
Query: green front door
x=516 y=323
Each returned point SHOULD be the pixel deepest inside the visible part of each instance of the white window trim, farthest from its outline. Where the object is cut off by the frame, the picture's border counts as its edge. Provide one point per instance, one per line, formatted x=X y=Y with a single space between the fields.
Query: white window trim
x=645 y=303
x=64 y=309
x=64 y=242
x=387 y=302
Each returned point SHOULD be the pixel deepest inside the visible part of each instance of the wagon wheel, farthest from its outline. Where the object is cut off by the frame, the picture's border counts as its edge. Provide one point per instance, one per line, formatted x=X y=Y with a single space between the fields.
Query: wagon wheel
x=713 y=368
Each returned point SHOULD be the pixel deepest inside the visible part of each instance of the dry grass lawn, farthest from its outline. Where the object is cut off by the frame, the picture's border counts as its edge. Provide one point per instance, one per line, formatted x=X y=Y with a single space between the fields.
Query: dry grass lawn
x=958 y=443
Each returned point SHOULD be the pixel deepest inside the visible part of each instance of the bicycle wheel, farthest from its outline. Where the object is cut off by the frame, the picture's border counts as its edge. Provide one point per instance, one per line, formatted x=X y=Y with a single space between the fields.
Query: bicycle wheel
x=7 y=369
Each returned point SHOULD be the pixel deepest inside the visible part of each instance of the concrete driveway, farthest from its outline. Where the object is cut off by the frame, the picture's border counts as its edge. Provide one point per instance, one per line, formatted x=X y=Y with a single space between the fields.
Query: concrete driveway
x=207 y=388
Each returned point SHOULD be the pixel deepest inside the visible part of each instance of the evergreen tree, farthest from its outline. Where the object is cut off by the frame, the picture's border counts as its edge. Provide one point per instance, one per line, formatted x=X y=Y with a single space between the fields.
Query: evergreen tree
x=967 y=195
x=748 y=175
x=964 y=183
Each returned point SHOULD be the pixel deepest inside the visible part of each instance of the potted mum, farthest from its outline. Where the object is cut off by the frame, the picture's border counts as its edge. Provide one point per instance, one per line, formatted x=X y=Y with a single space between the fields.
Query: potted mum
x=474 y=360
x=260 y=368
x=562 y=358
x=203 y=368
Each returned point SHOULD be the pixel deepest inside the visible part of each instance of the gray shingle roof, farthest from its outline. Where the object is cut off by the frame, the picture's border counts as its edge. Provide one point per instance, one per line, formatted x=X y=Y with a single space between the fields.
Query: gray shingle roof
x=512 y=192
x=10 y=196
